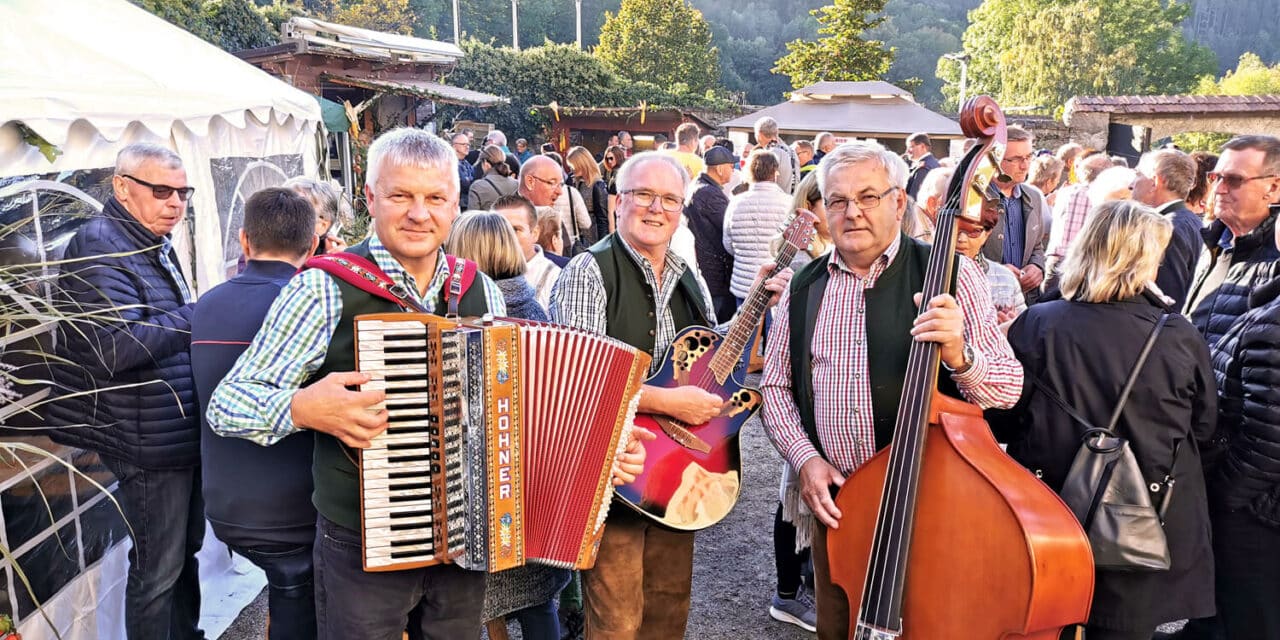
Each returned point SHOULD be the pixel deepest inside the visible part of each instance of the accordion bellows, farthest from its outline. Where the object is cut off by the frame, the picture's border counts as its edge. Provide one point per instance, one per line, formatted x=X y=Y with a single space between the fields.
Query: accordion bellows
x=501 y=440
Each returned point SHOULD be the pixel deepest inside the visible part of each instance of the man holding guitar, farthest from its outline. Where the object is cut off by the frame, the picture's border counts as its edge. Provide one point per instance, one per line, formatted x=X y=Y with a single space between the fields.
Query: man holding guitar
x=830 y=403
x=632 y=287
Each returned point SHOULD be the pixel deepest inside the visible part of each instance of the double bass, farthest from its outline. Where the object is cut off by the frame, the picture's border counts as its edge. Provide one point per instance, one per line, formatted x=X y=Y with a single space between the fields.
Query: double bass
x=943 y=536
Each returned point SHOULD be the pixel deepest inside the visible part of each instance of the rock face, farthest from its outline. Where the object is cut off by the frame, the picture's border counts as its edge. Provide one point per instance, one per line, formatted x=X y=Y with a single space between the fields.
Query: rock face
x=1232 y=27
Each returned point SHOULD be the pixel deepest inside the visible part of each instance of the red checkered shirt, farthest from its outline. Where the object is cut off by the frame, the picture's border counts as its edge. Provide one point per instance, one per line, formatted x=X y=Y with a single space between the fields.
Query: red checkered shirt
x=1069 y=212
x=841 y=391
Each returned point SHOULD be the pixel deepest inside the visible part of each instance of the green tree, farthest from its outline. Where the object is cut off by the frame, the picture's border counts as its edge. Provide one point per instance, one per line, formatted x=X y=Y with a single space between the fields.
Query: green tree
x=392 y=16
x=1040 y=53
x=666 y=42
x=552 y=72
x=183 y=13
x=237 y=24
x=1251 y=77
x=840 y=53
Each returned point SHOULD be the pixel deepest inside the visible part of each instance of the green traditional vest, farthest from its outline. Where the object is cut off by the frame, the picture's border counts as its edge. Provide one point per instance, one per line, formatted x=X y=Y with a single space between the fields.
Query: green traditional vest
x=333 y=465
x=890 y=313
x=628 y=294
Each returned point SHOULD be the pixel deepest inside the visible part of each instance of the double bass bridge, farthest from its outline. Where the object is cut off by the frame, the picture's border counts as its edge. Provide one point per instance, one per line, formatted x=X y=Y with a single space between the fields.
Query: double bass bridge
x=866 y=631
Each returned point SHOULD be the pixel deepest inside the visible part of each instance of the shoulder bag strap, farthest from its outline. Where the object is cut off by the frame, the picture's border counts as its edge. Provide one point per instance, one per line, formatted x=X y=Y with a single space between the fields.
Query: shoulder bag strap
x=1137 y=367
x=1124 y=393
x=459 y=282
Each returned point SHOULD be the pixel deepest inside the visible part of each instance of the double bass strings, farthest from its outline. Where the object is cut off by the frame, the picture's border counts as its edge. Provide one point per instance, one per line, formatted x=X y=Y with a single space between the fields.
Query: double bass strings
x=890 y=541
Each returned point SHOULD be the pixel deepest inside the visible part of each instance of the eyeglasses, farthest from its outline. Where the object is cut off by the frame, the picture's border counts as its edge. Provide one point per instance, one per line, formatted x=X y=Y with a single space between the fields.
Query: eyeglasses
x=549 y=183
x=163 y=191
x=1018 y=159
x=865 y=202
x=644 y=200
x=1233 y=181
x=972 y=232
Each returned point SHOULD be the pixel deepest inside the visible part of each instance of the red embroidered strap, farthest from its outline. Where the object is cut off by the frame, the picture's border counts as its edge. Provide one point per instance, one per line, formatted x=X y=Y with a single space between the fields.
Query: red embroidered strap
x=364 y=275
x=459 y=282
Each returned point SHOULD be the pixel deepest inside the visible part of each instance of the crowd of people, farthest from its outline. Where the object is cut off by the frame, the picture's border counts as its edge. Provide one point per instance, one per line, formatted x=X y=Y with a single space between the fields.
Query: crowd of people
x=241 y=408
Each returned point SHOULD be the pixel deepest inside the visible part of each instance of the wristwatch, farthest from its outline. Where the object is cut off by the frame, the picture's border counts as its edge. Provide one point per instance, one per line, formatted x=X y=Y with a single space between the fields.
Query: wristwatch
x=967 y=353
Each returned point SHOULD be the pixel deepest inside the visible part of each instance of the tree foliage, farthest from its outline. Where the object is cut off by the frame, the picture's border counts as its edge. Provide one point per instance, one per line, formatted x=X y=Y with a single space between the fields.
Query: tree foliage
x=841 y=53
x=230 y=24
x=1251 y=77
x=1040 y=53
x=392 y=16
x=549 y=73
x=666 y=42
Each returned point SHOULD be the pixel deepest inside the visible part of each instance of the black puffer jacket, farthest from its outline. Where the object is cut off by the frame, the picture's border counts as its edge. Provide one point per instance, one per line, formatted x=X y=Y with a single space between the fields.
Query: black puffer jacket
x=1254 y=261
x=1247 y=365
x=705 y=214
x=134 y=355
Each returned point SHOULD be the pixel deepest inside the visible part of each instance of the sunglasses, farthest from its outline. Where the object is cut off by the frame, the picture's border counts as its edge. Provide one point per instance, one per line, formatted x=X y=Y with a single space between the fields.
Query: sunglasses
x=972 y=232
x=1233 y=181
x=163 y=191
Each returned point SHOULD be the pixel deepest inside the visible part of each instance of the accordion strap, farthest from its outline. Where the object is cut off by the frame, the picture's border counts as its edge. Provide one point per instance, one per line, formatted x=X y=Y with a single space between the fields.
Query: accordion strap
x=366 y=276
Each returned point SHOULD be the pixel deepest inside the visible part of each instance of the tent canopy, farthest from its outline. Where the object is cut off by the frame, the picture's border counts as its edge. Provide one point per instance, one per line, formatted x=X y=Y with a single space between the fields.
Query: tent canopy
x=112 y=63
x=857 y=109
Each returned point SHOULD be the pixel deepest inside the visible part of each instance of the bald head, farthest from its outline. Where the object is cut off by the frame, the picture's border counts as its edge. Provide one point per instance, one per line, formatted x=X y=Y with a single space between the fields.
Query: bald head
x=541 y=180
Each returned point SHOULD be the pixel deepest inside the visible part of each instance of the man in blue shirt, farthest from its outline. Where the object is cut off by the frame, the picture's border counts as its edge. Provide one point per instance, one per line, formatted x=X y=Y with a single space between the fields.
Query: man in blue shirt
x=1018 y=240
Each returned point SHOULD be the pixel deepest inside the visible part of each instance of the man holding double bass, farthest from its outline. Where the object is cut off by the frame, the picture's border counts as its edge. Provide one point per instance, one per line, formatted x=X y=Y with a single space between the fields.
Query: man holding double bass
x=831 y=402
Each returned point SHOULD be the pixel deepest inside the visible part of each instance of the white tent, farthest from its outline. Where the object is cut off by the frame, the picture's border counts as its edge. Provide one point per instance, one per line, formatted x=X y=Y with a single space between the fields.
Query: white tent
x=89 y=77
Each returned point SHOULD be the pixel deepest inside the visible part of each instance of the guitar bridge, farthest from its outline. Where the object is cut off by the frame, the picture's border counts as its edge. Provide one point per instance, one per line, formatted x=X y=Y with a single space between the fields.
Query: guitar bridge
x=866 y=631
x=683 y=436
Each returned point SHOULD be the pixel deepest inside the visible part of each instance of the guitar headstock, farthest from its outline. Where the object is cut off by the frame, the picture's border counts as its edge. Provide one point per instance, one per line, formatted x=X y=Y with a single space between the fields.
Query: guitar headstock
x=799 y=234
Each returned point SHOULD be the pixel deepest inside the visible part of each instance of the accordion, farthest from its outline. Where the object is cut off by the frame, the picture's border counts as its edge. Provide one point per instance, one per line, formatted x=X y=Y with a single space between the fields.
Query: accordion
x=501 y=440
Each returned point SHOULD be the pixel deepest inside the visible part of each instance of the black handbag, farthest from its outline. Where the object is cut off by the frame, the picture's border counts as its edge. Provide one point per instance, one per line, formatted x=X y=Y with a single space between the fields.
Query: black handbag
x=1107 y=492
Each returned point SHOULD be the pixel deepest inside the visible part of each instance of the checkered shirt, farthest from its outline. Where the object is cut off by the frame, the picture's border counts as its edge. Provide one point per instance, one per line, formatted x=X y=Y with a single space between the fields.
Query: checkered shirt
x=578 y=297
x=1069 y=212
x=841 y=391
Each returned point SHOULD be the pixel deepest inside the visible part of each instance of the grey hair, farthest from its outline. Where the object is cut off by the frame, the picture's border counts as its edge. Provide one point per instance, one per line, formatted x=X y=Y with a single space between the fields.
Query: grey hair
x=820 y=138
x=497 y=137
x=326 y=198
x=132 y=157
x=766 y=126
x=1176 y=168
x=934 y=184
x=851 y=153
x=623 y=179
x=407 y=147
x=687 y=133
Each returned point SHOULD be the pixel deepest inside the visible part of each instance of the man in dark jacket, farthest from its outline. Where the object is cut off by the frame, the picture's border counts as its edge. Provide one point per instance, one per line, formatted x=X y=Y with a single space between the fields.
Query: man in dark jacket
x=1240 y=255
x=1164 y=179
x=920 y=149
x=139 y=412
x=258 y=499
x=1240 y=251
x=1244 y=485
x=704 y=211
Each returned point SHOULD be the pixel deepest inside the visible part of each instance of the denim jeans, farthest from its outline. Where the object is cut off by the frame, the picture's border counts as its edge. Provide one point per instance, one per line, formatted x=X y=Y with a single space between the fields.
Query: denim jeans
x=165 y=511
x=291 y=598
x=441 y=602
x=539 y=622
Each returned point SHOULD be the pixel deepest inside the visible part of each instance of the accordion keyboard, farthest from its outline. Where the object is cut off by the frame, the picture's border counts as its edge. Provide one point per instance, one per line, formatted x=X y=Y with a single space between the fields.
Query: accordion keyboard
x=401 y=504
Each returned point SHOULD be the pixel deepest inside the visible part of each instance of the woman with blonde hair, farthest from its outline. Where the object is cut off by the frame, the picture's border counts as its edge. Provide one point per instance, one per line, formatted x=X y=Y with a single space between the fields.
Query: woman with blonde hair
x=528 y=594
x=1078 y=352
x=593 y=188
x=486 y=238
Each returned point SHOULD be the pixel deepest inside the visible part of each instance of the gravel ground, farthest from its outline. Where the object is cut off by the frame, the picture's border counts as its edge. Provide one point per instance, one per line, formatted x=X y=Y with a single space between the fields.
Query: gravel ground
x=733 y=563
